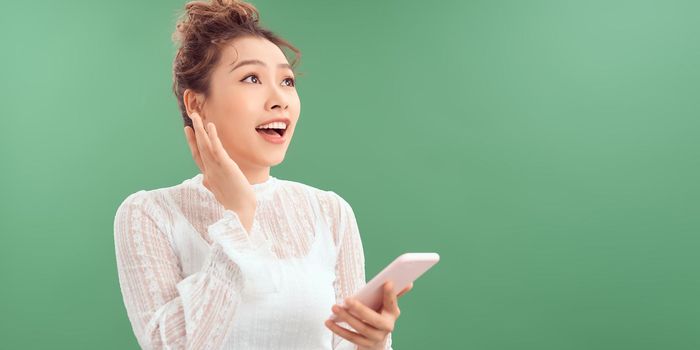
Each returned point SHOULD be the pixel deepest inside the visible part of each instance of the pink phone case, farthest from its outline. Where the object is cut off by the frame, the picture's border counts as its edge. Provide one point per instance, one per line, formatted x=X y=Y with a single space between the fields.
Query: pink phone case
x=402 y=271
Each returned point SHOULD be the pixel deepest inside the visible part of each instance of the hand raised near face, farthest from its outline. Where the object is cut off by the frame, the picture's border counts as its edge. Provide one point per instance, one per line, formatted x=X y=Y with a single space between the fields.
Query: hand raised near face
x=222 y=176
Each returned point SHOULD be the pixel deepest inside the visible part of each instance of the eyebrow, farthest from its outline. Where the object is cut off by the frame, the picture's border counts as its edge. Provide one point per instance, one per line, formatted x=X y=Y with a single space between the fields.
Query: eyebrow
x=258 y=62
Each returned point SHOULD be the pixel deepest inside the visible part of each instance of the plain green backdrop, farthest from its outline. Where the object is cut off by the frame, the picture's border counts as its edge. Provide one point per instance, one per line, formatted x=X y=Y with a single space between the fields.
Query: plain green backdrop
x=547 y=150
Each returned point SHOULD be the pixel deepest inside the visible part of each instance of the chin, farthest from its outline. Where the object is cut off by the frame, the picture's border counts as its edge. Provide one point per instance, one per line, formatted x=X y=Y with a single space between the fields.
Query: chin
x=272 y=159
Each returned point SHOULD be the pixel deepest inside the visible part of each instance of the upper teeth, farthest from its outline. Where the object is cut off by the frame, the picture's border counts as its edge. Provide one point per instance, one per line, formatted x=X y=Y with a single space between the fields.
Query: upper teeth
x=273 y=125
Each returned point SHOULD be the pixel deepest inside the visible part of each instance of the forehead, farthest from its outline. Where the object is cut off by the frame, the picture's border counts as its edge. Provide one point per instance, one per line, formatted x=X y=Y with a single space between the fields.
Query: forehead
x=253 y=48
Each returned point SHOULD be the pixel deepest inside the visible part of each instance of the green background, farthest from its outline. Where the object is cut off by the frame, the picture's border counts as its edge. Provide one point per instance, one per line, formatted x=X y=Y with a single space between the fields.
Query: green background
x=547 y=150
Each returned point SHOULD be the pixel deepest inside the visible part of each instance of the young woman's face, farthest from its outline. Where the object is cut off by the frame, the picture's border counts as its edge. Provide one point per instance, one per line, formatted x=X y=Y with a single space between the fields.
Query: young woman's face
x=245 y=95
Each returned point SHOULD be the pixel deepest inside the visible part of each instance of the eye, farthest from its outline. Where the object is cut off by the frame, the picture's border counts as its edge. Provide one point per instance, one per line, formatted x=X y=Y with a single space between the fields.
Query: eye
x=291 y=84
x=251 y=75
x=292 y=80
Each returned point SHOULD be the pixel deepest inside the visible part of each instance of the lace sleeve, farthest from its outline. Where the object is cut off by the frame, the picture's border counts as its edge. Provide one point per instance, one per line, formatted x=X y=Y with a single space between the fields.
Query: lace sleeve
x=165 y=309
x=350 y=265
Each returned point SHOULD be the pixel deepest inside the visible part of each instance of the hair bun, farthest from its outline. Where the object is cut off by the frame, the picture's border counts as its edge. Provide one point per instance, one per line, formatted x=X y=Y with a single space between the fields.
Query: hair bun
x=200 y=14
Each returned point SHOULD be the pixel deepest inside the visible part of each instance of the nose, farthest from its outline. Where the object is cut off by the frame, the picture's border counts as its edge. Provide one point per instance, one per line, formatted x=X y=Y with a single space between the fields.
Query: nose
x=278 y=99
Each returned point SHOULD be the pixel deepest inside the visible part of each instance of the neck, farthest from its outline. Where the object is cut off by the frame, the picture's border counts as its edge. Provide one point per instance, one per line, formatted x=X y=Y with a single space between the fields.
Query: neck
x=255 y=174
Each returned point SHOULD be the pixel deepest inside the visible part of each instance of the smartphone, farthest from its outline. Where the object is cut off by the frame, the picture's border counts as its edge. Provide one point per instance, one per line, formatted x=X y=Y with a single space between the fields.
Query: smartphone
x=405 y=269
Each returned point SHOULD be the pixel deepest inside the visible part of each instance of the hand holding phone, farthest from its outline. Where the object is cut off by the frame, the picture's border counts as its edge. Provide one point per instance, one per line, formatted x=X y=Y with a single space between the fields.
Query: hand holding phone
x=402 y=271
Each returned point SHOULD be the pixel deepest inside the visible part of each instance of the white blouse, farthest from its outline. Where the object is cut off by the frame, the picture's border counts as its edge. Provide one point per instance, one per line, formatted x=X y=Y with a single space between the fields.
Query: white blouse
x=193 y=278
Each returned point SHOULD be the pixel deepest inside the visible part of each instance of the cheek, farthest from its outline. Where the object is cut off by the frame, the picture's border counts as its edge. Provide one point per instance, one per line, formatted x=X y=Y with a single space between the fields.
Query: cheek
x=296 y=106
x=232 y=133
x=233 y=109
x=233 y=101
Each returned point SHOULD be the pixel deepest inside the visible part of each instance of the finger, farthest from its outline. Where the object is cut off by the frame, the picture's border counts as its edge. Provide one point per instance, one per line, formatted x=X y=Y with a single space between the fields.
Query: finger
x=202 y=139
x=403 y=291
x=348 y=335
x=217 y=148
x=390 y=305
x=367 y=330
x=363 y=312
x=410 y=286
x=190 y=136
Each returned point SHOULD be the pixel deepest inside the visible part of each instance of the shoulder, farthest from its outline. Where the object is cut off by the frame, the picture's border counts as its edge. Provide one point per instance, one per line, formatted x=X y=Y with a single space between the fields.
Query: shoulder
x=329 y=200
x=142 y=217
x=152 y=200
x=134 y=201
x=336 y=210
x=141 y=204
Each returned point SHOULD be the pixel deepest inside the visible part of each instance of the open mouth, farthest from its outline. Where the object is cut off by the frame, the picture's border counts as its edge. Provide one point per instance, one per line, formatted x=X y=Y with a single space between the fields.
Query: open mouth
x=272 y=132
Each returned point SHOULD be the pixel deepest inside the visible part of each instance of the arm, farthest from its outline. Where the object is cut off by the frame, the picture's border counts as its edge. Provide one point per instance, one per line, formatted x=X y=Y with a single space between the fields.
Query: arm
x=165 y=310
x=350 y=264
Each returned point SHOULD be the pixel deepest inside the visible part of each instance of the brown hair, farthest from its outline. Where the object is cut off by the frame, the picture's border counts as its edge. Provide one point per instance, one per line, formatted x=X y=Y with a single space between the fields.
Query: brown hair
x=201 y=34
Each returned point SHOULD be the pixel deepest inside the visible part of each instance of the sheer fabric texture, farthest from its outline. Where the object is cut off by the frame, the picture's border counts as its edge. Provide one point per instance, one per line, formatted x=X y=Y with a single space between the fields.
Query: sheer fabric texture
x=192 y=277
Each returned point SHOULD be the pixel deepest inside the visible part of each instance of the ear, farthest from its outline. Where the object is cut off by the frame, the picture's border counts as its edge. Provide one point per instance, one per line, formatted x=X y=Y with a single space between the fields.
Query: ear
x=193 y=102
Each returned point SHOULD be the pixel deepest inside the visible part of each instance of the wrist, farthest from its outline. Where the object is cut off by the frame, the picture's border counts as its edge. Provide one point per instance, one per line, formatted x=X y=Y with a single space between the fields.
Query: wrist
x=245 y=215
x=381 y=346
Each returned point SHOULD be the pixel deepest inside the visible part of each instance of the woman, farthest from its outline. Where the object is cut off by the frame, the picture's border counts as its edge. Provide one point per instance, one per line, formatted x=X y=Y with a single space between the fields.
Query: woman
x=234 y=258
